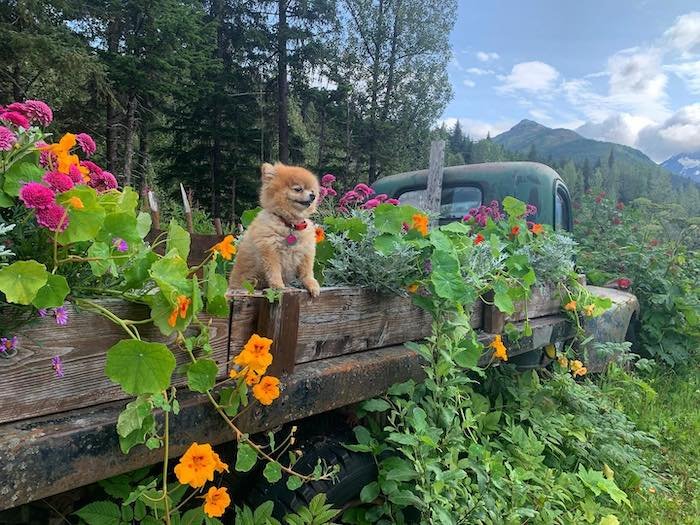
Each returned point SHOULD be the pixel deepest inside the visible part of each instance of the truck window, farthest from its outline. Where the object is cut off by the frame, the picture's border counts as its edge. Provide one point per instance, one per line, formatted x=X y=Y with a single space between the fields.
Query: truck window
x=561 y=211
x=455 y=203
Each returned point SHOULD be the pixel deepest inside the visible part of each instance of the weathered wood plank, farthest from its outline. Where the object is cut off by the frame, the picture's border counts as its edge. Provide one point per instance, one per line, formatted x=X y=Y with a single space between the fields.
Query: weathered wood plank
x=279 y=321
x=433 y=194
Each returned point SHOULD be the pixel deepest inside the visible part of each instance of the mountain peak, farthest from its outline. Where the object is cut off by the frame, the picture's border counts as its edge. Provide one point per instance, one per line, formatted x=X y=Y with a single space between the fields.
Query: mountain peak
x=684 y=164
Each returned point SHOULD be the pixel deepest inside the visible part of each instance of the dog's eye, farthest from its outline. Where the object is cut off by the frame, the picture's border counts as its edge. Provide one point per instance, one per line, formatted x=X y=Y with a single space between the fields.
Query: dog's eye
x=298 y=189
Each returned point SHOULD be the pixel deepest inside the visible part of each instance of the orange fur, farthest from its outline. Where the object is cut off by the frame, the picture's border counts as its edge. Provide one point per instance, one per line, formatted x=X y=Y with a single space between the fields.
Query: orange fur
x=264 y=258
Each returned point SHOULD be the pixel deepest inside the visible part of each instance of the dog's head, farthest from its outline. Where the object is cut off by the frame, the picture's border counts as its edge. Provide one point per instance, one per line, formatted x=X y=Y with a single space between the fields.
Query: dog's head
x=291 y=191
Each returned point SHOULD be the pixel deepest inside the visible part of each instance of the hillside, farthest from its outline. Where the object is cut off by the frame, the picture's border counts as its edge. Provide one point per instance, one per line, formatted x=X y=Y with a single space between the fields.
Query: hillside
x=564 y=144
x=684 y=164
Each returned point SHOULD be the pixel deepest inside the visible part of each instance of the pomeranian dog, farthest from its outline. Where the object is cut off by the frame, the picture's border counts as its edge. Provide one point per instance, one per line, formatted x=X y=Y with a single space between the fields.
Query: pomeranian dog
x=280 y=243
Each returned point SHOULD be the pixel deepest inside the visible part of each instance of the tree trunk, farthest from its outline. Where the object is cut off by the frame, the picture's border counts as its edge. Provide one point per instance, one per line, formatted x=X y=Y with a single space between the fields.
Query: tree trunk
x=129 y=138
x=112 y=117
x=347 y=139
x=217 y=11
x=322 y=138
x=392 y=61
x=282 y=86
x=372 y=175
x=233 y=201
x=144 y=154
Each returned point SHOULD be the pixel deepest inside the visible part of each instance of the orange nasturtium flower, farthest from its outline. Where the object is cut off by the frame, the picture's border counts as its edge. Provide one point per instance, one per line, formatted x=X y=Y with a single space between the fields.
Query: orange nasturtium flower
x=320 y=234
x=256 y=354
x=563 y=361
x=62 y=152
x=515 y=230
x=537 y=229
x=216 y=501
x=589 y=310
x=197 y=465
x=570 y=306
x=577 y=368
x=420 y=223
x=183 y=303
x=499 y=349
x=580 y=371
x=75 y=203
x=225 y=248
x=267 y=390
x=412 y=288
x=479 y=239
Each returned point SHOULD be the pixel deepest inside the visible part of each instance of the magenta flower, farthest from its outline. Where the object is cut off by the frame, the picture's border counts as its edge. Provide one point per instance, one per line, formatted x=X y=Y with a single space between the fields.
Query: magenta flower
x=121 y=245
x=19 y=107
x=57 y=366
x=382 y=197
x=395 y=202
x=94 y=168
x=371 y=204
x=530 y=209
x=364 y=189
x=53 y=217
x=38 y=111
x=331 y=192
x=15 y=118
x=86 y=143
x=75 y=175
x=58 y=181
x=36 y=195
x=327 y=180
x=46 y=158
x=61 y=315
x=7 y=139
x=42 y=312
x=103 y=181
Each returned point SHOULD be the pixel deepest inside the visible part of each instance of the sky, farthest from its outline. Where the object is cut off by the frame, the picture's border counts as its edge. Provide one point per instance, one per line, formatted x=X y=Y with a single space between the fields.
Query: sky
x=624 y=71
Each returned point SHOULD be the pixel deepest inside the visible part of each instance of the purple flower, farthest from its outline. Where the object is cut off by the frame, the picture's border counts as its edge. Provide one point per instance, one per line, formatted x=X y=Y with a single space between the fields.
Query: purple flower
x=42 y=312
x=58 y=181
x=327 y=180
x=86 y=143
x=102 y=181
x=531 y=209
x=61 y=315
x=121 y=245
x=8 y=344
x=7 y=139
x=57 y=366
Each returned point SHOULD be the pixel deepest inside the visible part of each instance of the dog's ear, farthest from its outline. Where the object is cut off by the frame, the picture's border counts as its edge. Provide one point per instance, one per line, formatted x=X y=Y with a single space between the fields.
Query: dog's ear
x=267 y=172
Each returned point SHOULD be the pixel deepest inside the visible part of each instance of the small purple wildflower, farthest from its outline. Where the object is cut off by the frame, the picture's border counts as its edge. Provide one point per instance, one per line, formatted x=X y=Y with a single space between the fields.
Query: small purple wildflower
x=121 y=245
x=8 y=344
x=61 y=315
x=57 y=366
x=42 y=312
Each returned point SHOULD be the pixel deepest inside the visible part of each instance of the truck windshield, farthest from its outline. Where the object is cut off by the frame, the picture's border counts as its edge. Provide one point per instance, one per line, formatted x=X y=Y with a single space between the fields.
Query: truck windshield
x=455 y=203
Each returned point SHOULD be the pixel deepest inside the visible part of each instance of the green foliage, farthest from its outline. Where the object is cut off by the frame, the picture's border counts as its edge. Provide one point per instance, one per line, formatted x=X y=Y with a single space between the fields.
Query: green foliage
x=140 y=367
x=318 y=512
x=22 y=280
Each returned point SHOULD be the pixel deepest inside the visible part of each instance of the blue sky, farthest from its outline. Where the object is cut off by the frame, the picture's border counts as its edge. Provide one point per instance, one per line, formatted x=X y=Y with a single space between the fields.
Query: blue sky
x=619 y=70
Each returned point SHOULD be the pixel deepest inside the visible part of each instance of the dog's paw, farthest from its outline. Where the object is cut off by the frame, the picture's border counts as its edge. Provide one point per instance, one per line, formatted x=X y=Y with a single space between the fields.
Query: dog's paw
x=313 y=287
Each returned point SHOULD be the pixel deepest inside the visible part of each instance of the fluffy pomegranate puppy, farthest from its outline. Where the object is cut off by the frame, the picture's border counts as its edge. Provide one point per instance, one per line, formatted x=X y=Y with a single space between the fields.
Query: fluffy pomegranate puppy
x=280 y=243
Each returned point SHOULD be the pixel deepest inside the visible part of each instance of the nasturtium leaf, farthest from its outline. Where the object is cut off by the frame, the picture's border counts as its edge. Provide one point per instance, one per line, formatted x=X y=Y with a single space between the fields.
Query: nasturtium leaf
x=119 y=226
x=272 y=472
x=140 y=367
x=446 y=278
x=196 y=296
x=22 y=280
x=143 y=224
x=456 y=227
x=100 y=513
x=102 y=264
x=138 y=270
x=513 y=207
x=170 y=274
x=22 y=172
x=246 y=457
x=248 y=216
x=83 y=223
x=386 y=243
x=53 y=293
x=229 y=400
x=217 y=304
x=369 y=492
x=133 y=416
x=353 y=227
x=160 y=312
x=178 y=239
x=5 y=200
x=390 y=219
x=501 y=297
x=201 y=375
x=294 y=482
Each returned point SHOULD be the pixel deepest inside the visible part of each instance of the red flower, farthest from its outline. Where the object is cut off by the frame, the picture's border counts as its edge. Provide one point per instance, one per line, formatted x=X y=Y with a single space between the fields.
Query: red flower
x=654 y=242
x=479 y=239
x=616 y=220
x=515 y=230
x=623 y=283
x=598 y=199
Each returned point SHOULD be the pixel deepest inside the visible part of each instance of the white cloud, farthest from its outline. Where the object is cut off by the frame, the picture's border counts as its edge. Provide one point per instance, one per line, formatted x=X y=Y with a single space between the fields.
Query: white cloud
x=478 y=129
x=535 y=77
x=689 y=72
x=484 y=56
x=621 y=128
x=479 y=72
x=679 y=133
x=684 y=35
x=468 y=83
x=637 y=79
x=540 y=114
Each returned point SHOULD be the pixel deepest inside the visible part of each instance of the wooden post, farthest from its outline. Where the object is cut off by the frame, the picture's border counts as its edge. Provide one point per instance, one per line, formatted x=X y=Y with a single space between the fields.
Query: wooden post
x=279 y=321
x=155 y=214
x=188 y=209
x=435 y=172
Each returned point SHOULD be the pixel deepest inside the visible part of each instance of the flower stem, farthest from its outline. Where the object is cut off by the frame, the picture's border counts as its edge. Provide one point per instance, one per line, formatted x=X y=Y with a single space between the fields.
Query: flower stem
x=166 y=444
x=133 y=333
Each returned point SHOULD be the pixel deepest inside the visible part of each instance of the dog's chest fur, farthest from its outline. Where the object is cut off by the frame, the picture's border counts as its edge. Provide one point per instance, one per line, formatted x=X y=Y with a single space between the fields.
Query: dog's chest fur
x=275 y=234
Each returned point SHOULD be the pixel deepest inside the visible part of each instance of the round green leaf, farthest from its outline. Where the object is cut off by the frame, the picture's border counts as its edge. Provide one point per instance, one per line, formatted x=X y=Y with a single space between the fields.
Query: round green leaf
x=178 y=239
x=21 y=281
x=119 y=226
x=140 y=367
x=272 y=472
x=294 y=482
x=53 y=293
x=20 y=173
x=245 y=457
x=201 y=375
x=83 y=223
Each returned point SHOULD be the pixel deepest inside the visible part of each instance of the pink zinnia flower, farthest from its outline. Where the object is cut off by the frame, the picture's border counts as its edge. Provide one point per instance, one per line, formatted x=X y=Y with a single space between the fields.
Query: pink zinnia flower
x=38 y=111
x=94 y=168
x=18 y=107
x=382 y=197
x=364 y=189
x=53 y=217
x=371 y=204
x=36 y=195
x=102 y=181
x=75 y=175
x=57 y=366
x=16 y=118
x=86 y=143
x=327 y=180
x=7 y=139
x=395 y=202
x=58 y=181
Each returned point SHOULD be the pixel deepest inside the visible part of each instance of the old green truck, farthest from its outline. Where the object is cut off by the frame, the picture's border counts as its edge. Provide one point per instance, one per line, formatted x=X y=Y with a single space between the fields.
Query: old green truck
x=353 y=350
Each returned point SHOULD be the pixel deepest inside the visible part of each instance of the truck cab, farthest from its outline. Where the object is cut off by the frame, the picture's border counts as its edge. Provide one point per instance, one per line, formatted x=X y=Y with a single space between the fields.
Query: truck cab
x=466 y=187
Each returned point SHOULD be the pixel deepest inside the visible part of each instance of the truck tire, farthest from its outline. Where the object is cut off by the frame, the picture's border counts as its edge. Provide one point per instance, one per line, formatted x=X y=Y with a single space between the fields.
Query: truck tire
x=356 y=471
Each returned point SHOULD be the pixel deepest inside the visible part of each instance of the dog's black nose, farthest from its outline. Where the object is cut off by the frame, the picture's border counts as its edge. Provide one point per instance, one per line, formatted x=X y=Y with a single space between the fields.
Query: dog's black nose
x=312 y=197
